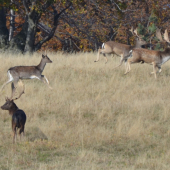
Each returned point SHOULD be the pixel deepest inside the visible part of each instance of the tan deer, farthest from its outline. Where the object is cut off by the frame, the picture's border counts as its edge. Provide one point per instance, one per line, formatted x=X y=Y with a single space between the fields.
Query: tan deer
x=156 y=58
x=119 y=49
x=28 y=72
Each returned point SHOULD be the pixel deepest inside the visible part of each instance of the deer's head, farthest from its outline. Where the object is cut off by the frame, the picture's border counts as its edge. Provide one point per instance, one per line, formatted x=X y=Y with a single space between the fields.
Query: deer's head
x=46 y=58
x=139 y=40
x=9 y=104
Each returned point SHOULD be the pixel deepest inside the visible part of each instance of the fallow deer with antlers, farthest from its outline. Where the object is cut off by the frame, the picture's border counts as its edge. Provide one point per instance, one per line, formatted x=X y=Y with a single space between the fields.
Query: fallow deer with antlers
x=28 y=72
x=156 y=58
x=119 y=49
x=18 y=115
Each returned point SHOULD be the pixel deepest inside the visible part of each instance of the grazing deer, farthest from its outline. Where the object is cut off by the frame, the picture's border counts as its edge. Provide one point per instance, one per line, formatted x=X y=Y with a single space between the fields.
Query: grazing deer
x=28 y=72
x=156 y=58
x=119 y=49
x=18 y=116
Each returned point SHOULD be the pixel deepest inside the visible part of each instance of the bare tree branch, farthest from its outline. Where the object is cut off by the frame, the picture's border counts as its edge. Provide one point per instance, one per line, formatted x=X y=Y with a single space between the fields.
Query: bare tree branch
x=50 y=35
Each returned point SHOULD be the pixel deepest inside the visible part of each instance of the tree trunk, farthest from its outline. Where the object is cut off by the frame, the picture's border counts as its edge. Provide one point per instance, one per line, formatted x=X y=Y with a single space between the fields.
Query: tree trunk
x=12 y=24
x=30 y=39
x=3 y=29
x=17 y=43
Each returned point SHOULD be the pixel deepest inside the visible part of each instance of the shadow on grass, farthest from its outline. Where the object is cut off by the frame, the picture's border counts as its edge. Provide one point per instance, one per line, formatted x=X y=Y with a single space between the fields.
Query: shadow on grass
x=34 y=133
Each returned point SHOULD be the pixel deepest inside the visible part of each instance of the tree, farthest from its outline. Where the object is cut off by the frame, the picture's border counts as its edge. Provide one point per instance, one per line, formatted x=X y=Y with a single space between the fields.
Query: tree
x=78 y=25
x=25 y=40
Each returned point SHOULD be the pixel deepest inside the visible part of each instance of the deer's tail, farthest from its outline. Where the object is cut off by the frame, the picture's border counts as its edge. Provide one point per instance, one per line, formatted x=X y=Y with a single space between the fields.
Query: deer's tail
x=128 y=56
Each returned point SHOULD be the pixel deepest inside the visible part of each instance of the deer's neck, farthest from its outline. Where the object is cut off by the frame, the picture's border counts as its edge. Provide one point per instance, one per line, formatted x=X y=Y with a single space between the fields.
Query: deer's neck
x=41 y=65
x=165 y=59
x=13 y=110
x=165 y=55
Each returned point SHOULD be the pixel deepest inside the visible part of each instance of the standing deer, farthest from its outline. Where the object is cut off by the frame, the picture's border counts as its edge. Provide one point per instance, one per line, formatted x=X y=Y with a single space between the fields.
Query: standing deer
x=28 y=72
x=156 y=58
x=119 y=49
x=18 y=116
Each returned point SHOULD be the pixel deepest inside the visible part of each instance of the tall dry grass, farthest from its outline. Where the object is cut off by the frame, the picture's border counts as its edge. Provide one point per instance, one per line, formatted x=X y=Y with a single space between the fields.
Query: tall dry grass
x=94 y=118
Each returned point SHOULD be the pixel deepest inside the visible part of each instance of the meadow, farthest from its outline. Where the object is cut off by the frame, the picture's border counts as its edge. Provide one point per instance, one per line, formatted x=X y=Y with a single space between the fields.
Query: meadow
x=94 y=118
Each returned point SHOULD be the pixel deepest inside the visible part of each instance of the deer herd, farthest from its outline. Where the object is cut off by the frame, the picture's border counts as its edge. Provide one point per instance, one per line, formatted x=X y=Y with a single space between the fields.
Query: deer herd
x=129 y=54
x=137 y=54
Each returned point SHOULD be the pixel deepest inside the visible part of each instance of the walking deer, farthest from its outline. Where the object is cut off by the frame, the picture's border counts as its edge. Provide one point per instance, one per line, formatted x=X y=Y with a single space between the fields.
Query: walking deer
x=156 y=58
x=28 y=72
x=119 y=49
x=18 y=115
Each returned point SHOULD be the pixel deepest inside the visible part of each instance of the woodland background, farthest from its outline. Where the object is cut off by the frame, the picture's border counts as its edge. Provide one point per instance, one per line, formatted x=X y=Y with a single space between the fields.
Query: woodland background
x=79 y=25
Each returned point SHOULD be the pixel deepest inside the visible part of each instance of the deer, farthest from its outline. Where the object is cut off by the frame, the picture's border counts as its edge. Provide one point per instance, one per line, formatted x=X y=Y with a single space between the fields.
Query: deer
x=156 y=58
x=28 y=72
x=122 y=50
x=18 y=115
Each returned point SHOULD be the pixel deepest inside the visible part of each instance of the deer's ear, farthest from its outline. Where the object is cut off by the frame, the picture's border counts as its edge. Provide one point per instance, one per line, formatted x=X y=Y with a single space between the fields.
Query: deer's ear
x=43 y=56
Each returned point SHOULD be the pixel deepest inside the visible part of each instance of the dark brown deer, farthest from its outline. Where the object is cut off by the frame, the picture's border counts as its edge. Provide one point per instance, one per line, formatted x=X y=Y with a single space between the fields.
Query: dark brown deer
x=119 y=49
x=28 y=72
x=18 y=116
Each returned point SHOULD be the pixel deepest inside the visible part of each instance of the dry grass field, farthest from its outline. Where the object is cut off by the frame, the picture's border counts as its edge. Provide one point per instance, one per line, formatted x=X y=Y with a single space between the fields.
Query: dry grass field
x=95 y=118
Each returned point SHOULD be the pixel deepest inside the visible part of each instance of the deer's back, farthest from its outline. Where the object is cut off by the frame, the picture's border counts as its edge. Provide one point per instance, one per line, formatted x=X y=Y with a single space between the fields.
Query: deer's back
x=23 y=71
x=19 y=118
x=145 y=55
x=118 y=48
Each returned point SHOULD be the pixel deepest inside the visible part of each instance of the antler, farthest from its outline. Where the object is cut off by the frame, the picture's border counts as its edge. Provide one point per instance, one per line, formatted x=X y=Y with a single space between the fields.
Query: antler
x=139 y=40
x=135 y=32
x=131 y=30
x=20 y=83
x=166 y=38
x=158 y=34
x=6 y=98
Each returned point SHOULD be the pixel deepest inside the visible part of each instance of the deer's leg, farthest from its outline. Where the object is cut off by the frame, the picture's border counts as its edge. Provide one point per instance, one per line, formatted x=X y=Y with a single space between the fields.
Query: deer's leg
x=127 y=67
x=10 y=78
x=14 y=134
x=105 y=57
x=154 y=69
x=98 y=55
x=121 y=61
x=5 y=84
x=21 y=131
x=14 y=86
x=159 y=69
x=45 y=81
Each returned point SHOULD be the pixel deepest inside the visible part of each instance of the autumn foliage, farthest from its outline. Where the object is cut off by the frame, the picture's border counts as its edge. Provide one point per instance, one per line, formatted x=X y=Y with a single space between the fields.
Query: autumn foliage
x=86 y=24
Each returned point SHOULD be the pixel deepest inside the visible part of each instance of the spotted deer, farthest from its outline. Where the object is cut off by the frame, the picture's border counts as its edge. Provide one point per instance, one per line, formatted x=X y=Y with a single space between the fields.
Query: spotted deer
x=122 y=50
x=156 y=58
x=28 y=72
